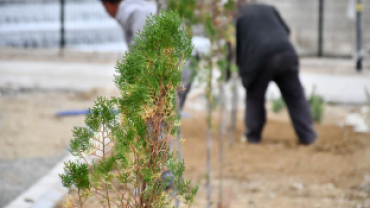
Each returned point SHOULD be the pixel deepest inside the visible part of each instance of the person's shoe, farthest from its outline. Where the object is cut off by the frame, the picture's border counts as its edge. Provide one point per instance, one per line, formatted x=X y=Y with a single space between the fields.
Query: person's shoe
x=307 y=141
x=244 y=139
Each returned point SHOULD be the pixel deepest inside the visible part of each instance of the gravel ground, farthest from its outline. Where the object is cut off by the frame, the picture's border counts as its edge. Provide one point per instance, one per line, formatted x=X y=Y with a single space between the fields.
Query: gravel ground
x=16 y=175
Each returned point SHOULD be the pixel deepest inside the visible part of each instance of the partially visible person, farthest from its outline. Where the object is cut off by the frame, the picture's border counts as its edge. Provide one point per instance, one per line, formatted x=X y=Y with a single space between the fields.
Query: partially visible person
x=264 y=54
x=130 y=14
x=186 y=77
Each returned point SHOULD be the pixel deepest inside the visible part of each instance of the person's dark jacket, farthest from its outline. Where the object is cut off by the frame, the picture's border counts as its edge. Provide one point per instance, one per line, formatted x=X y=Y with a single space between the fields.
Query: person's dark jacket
x=260 y=33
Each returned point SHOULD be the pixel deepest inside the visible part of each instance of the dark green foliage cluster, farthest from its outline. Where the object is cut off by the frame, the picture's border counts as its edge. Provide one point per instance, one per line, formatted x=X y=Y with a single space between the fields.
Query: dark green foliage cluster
x=317 y=106
x=131 y=133
x=81 y=140
x=185 y=8
x=209 y=27
x=155 y=59
x=315 y=101
x=278 y=105
x=76 y=174
x=230 y=5
x=199 y=12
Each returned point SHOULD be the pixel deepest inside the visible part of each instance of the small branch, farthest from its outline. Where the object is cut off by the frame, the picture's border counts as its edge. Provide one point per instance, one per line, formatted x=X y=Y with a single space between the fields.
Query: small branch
x=103 y=145
x=127 y=189
x=79 y=198
x=79 y=151
x=118 y=192
x=97 y=140
x=109 y=151
x=95 y=194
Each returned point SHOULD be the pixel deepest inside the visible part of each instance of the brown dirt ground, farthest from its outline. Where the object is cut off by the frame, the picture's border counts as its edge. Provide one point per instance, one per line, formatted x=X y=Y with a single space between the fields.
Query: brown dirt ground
x=279 y=173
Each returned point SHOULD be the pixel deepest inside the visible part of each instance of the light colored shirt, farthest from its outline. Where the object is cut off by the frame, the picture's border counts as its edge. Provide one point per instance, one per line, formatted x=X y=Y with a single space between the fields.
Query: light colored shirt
x=132 y=15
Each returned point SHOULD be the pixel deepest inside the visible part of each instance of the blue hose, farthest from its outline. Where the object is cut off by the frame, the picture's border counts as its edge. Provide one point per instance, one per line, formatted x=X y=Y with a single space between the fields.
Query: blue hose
x=83 y=112
x=71 y=113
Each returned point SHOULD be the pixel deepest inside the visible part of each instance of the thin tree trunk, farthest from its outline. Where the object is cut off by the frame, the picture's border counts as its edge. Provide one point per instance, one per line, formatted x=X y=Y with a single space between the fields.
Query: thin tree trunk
x=209 y=144
x=234 y=108
x=161 y=5
x=179 y=134
x=158 y=6
x=221 y=134
x=209 y=139
x=179 y=154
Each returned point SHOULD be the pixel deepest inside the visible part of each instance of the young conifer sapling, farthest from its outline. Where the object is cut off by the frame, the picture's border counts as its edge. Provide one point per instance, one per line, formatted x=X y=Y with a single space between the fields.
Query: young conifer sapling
x=131 y=133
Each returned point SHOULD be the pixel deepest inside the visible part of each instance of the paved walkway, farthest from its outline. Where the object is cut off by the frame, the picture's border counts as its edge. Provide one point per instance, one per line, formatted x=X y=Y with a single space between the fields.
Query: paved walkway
x=55 y=75
x=339 y=87
x=333 y=87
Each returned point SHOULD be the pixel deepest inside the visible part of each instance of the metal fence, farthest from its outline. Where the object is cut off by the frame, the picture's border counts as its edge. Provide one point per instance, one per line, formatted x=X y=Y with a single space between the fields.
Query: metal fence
x=37 y=23
x=339 y=25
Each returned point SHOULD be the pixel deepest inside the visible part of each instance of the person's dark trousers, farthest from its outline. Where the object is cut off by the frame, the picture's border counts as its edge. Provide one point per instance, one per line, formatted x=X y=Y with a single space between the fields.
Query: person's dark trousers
x=282 y=68
x=183 y=94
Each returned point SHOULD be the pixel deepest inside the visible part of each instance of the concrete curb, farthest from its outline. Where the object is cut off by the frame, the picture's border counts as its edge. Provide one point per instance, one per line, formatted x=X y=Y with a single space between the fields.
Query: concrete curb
x=46 y=192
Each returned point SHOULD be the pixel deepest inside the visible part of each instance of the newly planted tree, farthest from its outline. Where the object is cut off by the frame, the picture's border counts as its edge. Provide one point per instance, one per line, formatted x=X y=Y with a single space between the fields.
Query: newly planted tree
x=216 y=17
x=130 y=134
x=367 y=93
x=317 y=106
x=278 y=104
x=232 y=69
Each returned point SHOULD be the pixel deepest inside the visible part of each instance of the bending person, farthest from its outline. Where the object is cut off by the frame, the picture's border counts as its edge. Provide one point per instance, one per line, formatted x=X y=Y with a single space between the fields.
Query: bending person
x=264 y=54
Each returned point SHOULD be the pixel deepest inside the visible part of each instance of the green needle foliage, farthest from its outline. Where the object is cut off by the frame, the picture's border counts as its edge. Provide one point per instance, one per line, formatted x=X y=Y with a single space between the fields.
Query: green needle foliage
x=278 y=105
x=317 y=106
x=136 y=167
x=315 y=101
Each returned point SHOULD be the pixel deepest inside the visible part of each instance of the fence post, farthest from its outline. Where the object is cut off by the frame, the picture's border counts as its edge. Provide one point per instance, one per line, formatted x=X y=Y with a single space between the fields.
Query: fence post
x=321 y=26
x=359 y=9
x=62 y=37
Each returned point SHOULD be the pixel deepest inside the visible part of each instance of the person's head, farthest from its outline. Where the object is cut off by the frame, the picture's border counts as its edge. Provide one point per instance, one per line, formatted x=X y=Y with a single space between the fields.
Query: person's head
x=111 y=6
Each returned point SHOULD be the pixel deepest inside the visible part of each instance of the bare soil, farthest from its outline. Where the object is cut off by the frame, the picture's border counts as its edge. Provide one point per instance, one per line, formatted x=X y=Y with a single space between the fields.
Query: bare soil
x=280 y=173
